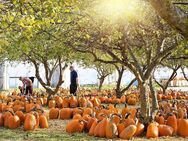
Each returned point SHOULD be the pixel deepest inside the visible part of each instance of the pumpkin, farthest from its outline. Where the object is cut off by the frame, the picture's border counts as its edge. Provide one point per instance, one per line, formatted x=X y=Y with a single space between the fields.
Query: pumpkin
x=73 y=102
x=128 y=121
x=82 y=102
x=65 y=113
x=160 y=119
x=90 y=123
x=59 y=101
x=96 y=102
x=29 y=107
x=30 y=122
x=111 y=129
x=87 y=111
x=52 y=103
x=65 y=103
x=120 y=127
x=77 y=111
x=116 y=118
x=92 y=129
x=131 y=101
x=2 y=106
x=125 y=110
x=152 y=130
x=13 y=121
x=139 y=129
x=123 y=99
x=172 y=121
x=77 y=116
x=1 y=120
x=21 y=115
x=100 y=129
x=128 y=132
x=75 y=125
x=54 y=113
x=36 y=114
x=182 y=127
x=6 y=116
x=43 y=122
x=165 y=130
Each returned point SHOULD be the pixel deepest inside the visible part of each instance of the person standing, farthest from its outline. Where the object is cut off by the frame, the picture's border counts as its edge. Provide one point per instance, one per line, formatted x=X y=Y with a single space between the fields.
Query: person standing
x=28 y=84
x=73 y=81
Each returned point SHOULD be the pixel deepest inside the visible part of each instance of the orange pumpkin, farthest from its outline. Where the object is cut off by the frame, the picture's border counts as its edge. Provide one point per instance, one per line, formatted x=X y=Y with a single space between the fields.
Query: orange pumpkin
x=65 y=113
x=1 y=120
x=30 y=122
x=14 y=121
x=65 y=103
x=99 y=129
x=125 y=110
x=21 y=115
x=87 y=111
x=140 y=129
x=182 y=127
x=43 y=122
x=160 y=119
x=90 y=123
x=165 y=130
x=111 y=129
x=77 y=116
x=75 y=126
x=73 y=102
x=92 y=129
x=59 y=101
x=52 y=103
x=172 y=121
x=128 y=132
x=6 y=116
x=152 y=130
x=54 y=113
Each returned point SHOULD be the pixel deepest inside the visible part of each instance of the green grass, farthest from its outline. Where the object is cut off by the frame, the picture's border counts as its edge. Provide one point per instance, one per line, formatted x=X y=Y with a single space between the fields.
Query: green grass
x=41 y=135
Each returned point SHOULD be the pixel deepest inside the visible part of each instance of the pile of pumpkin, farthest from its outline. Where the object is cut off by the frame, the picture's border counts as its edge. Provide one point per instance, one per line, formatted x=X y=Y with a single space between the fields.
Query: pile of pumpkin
x=18 y=111
x=110 y=122
x=172 y=95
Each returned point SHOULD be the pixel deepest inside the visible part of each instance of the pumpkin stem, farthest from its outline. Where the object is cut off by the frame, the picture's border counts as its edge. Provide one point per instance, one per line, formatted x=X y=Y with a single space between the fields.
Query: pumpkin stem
x=127 y=115
x=115 y=114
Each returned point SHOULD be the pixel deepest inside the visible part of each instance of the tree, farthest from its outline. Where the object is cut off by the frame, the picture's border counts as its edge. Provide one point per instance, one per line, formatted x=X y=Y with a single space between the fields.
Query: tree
x=137 y=44
x=102 y=69
x=119 y=90
x=32 y=29
x=164 y=85
x=174 y=16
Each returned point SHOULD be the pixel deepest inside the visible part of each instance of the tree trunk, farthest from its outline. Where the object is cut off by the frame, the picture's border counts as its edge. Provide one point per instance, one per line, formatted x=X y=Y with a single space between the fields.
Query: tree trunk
x=118 y=85
x=101 y=81
x=164 y=90
x=155 y=106
x=184 y=74
x=145 y=114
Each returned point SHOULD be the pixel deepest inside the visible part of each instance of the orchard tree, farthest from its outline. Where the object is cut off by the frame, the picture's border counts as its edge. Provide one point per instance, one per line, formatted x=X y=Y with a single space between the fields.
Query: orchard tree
x=119 y=90
x=165 y=83
x=103 y=70
x=138 y=44
x=35 y=32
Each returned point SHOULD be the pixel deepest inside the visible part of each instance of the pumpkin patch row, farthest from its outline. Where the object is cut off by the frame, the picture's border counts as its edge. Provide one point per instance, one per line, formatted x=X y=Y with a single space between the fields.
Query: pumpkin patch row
x=30 y=121
x=114 y=126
